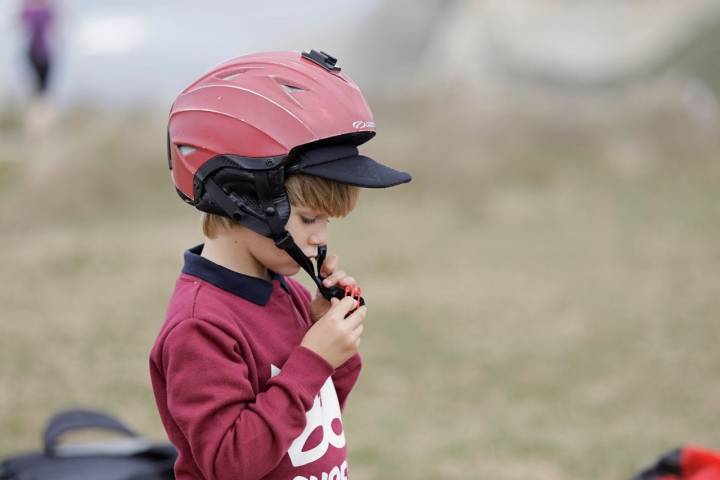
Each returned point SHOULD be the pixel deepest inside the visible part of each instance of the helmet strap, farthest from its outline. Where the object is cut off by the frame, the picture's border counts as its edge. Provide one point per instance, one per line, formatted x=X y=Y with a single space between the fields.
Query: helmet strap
x=306 y=264
x=235 y=208
x=282 y=238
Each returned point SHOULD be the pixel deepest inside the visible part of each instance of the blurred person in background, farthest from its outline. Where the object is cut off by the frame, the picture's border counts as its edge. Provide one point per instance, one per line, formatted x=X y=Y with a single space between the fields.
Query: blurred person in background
x=38 y=17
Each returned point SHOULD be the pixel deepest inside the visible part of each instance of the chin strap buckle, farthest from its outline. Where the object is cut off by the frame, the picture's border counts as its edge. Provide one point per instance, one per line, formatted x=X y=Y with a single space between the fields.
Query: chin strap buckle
x=356 y=293
x=337 y=292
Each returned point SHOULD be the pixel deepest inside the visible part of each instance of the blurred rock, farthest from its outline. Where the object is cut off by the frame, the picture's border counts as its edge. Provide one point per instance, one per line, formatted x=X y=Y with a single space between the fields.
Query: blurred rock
x=554 y=43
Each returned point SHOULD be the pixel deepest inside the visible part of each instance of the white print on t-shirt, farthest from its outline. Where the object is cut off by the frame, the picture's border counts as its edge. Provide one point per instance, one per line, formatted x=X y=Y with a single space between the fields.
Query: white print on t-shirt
x=337 y=473
x=325 y=409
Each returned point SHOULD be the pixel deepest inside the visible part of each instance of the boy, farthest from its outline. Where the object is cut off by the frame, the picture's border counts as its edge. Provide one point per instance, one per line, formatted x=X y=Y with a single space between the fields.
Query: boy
x=250 y=373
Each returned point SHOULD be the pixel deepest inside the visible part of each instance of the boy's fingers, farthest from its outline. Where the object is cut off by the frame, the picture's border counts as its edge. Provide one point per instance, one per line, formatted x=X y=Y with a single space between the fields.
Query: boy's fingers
x=357 y=333
x=330 y=265
x=347 y=282
x=343 y=307
x=355 y=320
x=333 y=279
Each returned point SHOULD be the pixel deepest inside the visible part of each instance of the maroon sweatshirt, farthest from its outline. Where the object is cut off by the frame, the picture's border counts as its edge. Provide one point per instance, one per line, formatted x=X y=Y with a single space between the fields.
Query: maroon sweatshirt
x=239 y=397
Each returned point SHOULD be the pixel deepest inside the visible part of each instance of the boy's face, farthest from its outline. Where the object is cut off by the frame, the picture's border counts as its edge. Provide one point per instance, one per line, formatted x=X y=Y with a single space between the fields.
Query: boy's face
x=308 y=228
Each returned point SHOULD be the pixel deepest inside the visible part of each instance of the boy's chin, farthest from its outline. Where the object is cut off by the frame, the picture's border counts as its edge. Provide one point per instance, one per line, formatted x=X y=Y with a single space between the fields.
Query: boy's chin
x=288 y=271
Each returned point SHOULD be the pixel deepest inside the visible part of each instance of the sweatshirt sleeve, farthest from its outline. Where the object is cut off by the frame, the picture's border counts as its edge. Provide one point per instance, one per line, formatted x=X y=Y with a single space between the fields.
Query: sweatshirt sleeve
x=345 y=377
x=232 y=431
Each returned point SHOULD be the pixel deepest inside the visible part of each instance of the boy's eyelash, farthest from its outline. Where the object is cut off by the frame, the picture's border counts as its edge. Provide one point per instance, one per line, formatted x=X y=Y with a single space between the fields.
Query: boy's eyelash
x=310 y=221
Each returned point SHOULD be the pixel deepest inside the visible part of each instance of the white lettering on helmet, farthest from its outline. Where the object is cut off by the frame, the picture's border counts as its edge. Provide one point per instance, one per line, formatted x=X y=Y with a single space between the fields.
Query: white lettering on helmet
x=361 y=124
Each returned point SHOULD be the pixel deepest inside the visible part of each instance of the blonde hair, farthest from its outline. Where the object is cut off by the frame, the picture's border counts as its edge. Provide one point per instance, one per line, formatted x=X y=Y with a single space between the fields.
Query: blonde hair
x=326 y=196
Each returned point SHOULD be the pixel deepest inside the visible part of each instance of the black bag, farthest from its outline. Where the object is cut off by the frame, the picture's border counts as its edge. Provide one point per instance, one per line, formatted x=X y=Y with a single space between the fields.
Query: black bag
x=130 y=458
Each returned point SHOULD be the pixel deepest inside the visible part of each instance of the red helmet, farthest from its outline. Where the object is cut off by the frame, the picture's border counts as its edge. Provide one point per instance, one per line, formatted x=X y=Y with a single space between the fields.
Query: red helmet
x=235 y=134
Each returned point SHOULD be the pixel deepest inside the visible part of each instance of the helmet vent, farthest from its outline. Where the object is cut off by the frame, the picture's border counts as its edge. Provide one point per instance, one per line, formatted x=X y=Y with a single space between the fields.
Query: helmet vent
x=186 y=150
x=292 y=89
x=231 y=74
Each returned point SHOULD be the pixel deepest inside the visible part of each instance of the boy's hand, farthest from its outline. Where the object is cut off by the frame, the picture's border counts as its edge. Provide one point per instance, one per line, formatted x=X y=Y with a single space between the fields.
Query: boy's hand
x=320 y=305
x=334 y=337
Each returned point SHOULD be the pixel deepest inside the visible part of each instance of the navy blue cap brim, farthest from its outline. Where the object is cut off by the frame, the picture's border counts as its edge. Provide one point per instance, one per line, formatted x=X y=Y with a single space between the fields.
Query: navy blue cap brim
x=354 y=169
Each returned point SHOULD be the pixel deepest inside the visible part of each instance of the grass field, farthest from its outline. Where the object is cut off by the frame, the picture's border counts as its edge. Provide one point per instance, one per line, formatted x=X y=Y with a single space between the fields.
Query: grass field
x=544 y=297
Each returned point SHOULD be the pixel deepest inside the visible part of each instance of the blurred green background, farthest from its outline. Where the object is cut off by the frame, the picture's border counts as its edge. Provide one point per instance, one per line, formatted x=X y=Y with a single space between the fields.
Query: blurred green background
x=544 y=296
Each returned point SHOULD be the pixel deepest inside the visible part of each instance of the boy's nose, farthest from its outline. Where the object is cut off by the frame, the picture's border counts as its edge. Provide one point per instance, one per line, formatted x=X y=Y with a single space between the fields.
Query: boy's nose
x=318 y=238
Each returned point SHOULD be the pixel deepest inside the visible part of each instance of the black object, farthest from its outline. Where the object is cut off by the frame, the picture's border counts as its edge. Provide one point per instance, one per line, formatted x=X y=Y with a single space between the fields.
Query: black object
x=325 y=60
x=129 y=458
x=668 y=465
x=344 y=164
x=330 y=292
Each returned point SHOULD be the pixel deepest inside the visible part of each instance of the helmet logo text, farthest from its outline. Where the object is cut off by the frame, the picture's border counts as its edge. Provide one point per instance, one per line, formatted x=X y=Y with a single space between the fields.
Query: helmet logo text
x=360 y=124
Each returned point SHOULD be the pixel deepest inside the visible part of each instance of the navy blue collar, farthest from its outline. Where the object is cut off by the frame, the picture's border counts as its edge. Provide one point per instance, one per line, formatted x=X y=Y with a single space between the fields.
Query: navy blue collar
x=250 y=288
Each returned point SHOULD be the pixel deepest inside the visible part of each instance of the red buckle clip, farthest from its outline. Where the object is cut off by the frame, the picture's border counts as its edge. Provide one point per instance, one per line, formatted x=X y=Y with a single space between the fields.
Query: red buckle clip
x=355 y=292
